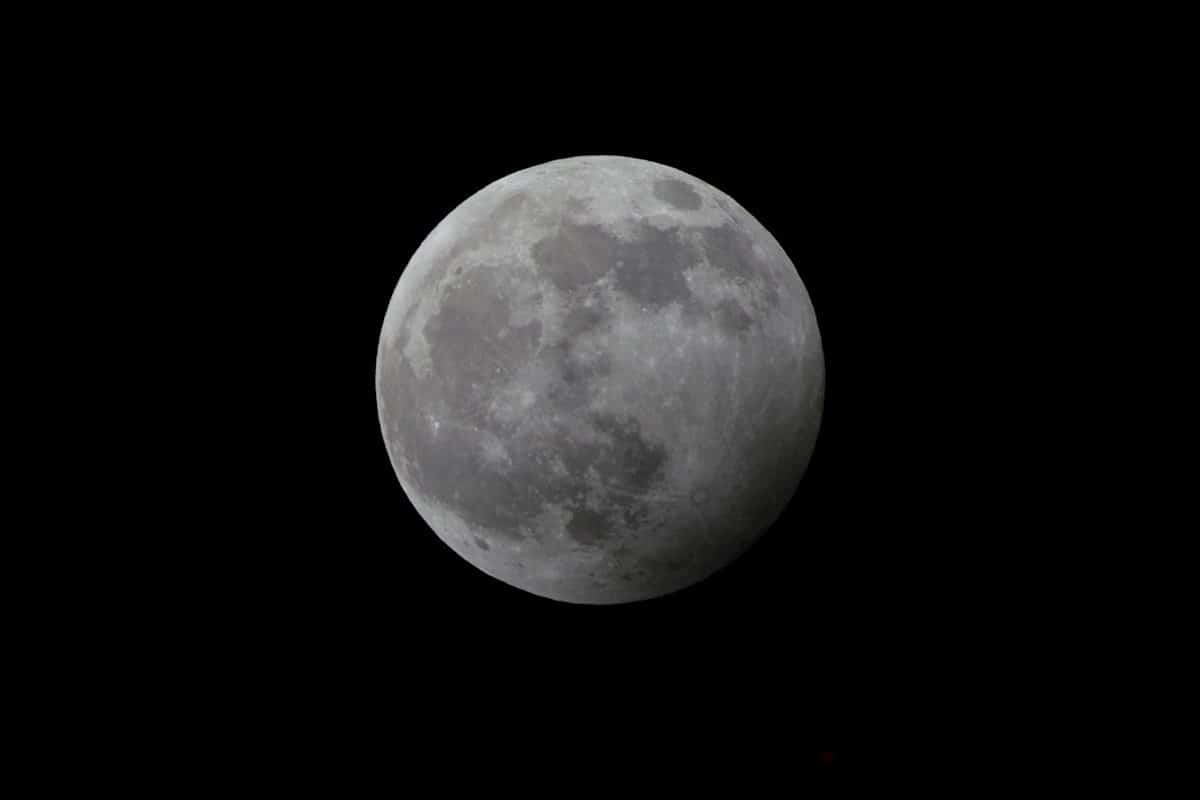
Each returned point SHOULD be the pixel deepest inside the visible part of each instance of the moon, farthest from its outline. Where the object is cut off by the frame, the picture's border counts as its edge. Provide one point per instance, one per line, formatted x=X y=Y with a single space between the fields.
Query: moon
x=600 y=380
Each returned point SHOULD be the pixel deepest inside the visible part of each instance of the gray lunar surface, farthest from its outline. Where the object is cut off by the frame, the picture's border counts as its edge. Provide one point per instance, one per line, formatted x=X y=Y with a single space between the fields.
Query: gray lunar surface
x=599 y=379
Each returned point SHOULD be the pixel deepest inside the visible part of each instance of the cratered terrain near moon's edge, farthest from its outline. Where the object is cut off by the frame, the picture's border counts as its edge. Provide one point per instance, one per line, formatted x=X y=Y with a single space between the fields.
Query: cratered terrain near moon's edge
x=600 y=379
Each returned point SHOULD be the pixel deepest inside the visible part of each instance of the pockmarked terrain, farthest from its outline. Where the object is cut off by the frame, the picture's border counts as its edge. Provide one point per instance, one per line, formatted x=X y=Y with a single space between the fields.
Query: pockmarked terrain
x=600 y=379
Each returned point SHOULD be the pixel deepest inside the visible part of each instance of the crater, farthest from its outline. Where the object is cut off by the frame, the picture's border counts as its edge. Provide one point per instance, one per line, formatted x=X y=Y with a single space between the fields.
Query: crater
x=678 y=194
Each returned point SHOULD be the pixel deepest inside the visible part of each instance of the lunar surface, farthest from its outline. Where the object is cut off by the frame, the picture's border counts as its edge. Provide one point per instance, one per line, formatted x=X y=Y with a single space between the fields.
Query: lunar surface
x=600 y=379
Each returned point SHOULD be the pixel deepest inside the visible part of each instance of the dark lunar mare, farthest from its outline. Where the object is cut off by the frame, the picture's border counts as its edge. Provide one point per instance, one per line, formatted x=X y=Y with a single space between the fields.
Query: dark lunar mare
x=650 y=269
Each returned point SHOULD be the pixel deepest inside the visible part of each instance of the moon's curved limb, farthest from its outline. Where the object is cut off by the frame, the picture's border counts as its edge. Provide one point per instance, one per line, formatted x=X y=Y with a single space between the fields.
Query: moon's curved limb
x=599 y=379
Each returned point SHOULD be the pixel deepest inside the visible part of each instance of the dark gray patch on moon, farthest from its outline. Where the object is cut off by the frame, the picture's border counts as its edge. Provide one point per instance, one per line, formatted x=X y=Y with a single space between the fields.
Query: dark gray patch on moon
x=731 y=317
x=678 y=194
x=731 y=250
x=631 y=463
x=649 y=269
x=472 y=344
x=664 y=564
x=585 y=317
x=589 y=527
x=575 y=255
x=476 y=235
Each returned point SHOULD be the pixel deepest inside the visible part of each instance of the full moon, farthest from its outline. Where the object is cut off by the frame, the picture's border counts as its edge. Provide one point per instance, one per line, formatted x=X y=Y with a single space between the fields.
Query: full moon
x=600 y=380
